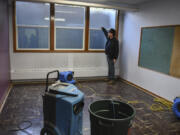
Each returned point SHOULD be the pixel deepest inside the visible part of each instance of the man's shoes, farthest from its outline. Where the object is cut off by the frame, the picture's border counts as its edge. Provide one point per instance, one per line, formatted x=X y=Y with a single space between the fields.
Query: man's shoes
x=106 y=79
x=111 y=82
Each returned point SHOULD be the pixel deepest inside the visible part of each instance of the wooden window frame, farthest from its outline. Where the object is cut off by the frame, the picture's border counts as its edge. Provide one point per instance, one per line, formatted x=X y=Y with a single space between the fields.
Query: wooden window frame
x=52 y=34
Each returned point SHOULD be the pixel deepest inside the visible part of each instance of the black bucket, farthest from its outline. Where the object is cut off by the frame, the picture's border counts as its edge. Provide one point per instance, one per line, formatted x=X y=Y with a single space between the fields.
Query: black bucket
x=109 y=117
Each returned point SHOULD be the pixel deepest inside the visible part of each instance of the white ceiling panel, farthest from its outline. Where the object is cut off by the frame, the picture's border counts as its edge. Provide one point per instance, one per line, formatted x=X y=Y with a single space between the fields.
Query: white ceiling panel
x=128 y=5
x=130 y=1
x=118 y=1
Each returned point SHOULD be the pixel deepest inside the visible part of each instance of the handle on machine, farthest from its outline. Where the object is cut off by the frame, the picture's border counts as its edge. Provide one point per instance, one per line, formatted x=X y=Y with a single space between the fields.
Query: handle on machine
x=47 y=78
x=63 y=93
x=77 y=108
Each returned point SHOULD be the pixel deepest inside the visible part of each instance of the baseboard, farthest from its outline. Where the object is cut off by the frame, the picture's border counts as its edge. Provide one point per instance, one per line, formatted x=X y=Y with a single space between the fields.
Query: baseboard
x=4 y=97
x=40 y=73
x=142 y=89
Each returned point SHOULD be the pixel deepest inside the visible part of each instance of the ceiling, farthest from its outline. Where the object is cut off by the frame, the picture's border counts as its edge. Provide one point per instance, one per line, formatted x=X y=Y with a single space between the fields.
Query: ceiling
x=136 y=2
x=128 y=5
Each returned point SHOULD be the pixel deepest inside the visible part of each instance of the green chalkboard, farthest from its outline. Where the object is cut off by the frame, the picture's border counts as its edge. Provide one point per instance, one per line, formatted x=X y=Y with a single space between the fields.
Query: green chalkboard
x=156 y=48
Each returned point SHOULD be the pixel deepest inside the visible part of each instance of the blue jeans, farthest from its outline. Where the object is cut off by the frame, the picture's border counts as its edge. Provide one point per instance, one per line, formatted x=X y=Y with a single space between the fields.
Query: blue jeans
x=111 y=69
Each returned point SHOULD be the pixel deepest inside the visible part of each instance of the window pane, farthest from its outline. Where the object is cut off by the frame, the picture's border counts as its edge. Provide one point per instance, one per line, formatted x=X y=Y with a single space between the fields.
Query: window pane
x=100 y=17
x=69 y=25
x=97 y=39
x=32 y=37
x=68 y=38
x=32 y=25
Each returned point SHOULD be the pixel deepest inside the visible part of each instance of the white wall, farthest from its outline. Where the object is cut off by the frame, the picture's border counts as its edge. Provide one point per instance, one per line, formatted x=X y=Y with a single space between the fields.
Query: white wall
x=150 y=14
x=36 y=65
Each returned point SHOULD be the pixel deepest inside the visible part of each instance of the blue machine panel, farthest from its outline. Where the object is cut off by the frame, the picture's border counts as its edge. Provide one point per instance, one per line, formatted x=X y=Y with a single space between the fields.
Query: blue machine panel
x=62 y=112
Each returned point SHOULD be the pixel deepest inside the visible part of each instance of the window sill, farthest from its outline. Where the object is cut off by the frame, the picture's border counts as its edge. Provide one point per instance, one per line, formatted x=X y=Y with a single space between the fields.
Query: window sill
x=59 y=51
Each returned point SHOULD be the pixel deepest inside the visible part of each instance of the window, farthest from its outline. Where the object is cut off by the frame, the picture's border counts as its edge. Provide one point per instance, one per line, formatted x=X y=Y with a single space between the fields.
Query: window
x=100 y=17
x=69 y=26
x=32 y=25
x=45 y=27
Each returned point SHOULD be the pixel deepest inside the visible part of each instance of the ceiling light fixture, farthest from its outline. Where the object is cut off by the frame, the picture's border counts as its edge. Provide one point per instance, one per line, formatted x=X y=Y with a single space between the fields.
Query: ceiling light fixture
x=56 y=19
x=47 y=4
x=60 y=19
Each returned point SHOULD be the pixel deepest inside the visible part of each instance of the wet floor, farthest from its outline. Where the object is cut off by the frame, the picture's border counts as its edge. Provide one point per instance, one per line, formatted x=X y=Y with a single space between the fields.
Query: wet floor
x=25 y=104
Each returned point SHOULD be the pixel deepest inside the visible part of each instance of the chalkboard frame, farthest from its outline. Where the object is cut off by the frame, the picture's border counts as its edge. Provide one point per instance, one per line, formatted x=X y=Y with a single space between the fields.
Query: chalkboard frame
x=140 y=43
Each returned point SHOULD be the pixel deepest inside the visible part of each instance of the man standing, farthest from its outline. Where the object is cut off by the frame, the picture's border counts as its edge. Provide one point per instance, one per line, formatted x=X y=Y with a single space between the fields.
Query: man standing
x=112 y=52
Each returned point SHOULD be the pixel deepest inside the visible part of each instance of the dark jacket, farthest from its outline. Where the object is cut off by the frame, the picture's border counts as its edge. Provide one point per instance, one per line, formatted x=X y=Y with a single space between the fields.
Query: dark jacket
x=112 y=46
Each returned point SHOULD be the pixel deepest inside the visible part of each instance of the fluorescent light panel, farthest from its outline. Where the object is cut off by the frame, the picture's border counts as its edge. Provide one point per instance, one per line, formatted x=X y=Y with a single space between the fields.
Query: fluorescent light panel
x=47 y=4
x=56 y=19
x=60 y=19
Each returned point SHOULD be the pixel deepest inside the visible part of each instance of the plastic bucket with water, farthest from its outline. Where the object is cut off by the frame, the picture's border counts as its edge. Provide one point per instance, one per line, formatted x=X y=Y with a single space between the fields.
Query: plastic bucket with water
x=109 y=117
